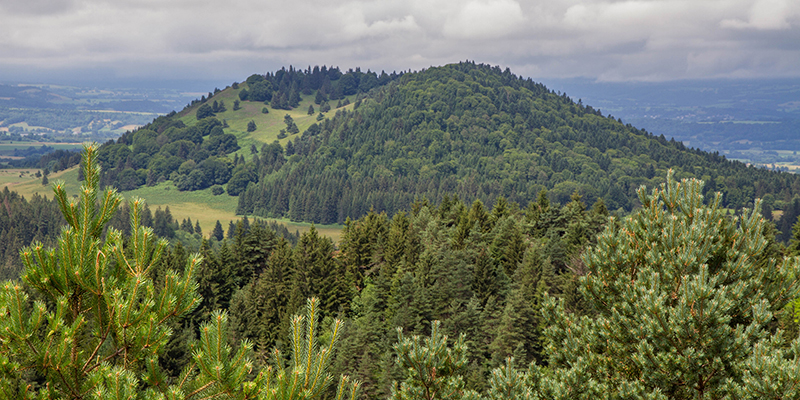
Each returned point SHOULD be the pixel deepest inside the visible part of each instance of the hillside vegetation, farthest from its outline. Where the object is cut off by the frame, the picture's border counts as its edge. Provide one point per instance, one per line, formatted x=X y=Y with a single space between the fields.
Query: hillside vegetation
x=468 y=188
x=319 y=145
x=675 y=301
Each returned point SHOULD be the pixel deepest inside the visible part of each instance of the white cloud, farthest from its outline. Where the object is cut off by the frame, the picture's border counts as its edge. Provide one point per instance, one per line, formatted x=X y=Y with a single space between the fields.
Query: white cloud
x=766 y=15
x=604 y=39
x=479 y=19
x=355 y=24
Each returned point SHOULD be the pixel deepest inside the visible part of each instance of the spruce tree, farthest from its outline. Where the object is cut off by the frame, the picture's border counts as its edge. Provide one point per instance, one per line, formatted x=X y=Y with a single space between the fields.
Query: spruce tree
x=318 y=274
x=685 y=302
x=217 y=233
x=484 y=281
x=508 y=245
x=520 y=327
x=273 y=297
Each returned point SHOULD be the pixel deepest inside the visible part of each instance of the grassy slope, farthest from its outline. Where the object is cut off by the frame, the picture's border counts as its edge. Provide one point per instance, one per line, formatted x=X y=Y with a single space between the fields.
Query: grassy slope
x=28 y=184
x=199 y=205
x=202 y=205
x=268 y=125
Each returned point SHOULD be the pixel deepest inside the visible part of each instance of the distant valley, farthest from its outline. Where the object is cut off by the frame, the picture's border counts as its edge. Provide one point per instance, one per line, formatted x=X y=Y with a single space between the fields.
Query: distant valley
x=65 y=113
x=754 y=121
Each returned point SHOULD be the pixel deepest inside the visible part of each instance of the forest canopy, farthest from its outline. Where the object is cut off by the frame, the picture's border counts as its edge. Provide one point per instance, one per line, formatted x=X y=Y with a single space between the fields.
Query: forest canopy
x=677 y=300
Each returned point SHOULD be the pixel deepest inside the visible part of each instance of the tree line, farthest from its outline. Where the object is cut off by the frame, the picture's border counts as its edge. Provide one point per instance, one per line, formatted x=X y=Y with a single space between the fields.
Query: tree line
x=282 y=90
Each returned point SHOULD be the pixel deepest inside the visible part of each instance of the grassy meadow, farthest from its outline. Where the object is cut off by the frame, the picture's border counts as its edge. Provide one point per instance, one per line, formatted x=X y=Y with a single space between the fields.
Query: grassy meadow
x=203 y=206
x=15 y=178
x=198 y=205
x=268 y=125
x=25 y=182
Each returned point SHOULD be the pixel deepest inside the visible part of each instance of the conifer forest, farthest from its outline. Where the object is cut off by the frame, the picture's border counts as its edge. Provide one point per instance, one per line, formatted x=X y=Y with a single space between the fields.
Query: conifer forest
x=499 y=241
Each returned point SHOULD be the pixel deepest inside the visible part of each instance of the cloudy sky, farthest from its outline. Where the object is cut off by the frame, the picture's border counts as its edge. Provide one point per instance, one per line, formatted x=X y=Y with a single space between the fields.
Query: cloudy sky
x=606 y=40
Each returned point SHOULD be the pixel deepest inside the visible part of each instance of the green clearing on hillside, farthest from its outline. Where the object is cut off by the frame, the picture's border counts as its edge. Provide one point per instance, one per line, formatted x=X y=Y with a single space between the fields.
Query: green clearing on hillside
x=29 y=184
x=17 y=176
x=206 y=208
x=268 y=126
x=198 y=205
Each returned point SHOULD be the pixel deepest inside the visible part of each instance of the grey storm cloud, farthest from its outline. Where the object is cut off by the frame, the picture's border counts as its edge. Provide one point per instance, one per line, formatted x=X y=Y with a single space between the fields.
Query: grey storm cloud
x=601 y=39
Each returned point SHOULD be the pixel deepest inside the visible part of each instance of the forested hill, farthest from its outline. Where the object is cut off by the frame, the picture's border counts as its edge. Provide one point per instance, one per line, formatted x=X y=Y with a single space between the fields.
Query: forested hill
x=480 y=132
x=469 y=130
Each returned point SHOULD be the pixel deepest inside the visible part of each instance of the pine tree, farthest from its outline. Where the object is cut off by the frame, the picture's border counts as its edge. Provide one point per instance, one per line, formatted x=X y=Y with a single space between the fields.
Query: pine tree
x=685 y=301
x=307 y=375
x=99 y=327
x=433 y=369
x=96 y=322
x=222 y=373
x=508 y=383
